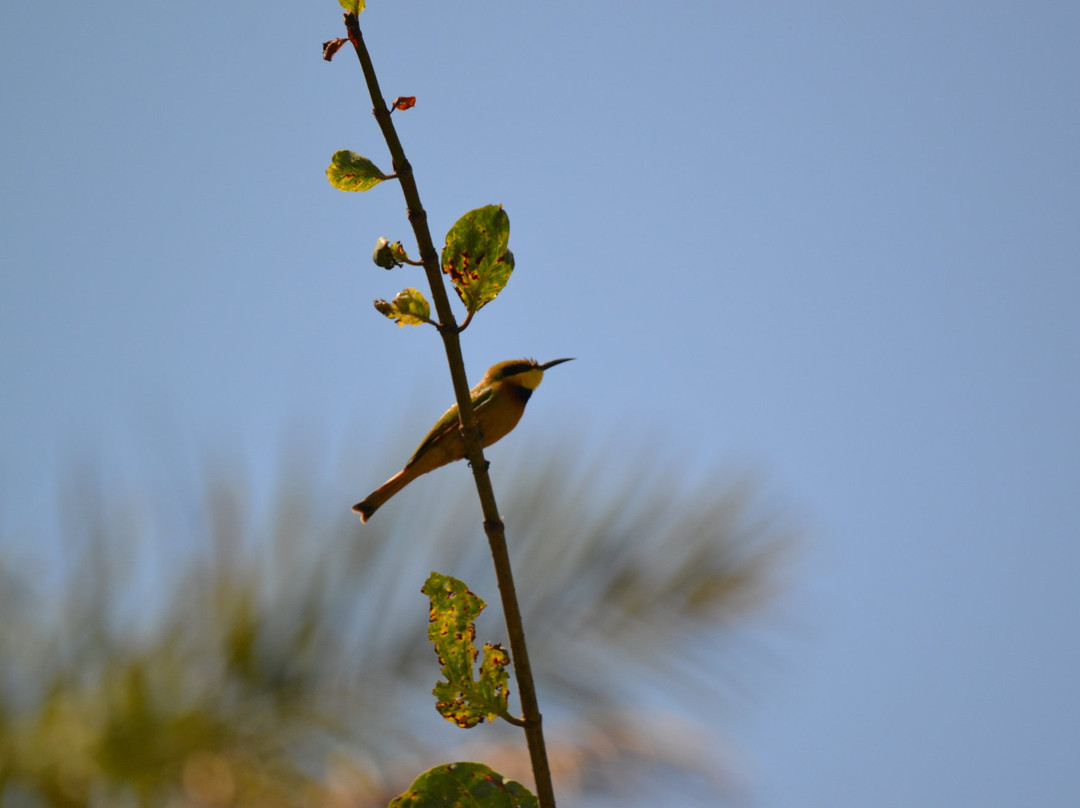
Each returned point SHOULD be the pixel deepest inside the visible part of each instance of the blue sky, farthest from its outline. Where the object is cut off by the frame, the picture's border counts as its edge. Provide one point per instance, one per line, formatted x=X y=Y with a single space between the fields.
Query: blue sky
x=835 y=243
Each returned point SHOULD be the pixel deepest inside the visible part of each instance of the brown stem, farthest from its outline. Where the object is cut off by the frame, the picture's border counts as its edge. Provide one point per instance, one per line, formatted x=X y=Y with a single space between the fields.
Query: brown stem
x=493 y=524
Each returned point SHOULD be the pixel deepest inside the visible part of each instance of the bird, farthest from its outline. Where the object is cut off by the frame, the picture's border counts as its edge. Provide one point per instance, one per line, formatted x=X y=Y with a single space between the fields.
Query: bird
x=498 y=401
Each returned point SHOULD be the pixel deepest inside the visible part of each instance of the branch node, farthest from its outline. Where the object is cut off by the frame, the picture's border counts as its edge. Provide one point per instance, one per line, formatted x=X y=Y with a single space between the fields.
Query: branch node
x=487 y=463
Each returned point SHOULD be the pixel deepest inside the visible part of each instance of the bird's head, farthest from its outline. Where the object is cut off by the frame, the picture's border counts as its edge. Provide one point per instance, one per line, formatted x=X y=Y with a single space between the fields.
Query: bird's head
x=527 y=373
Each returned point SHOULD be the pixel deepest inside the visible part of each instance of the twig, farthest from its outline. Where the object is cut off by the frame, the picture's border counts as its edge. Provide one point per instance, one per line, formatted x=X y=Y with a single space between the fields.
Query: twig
x=493 y=524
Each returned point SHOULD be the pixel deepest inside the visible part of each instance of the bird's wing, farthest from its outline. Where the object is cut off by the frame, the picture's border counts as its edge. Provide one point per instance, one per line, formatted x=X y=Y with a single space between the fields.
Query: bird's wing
x=446 y=422
x=481 y=399
x=450 y=422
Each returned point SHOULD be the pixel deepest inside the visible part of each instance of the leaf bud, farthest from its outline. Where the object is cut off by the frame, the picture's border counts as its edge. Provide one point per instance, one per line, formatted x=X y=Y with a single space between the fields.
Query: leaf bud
x=383 y=255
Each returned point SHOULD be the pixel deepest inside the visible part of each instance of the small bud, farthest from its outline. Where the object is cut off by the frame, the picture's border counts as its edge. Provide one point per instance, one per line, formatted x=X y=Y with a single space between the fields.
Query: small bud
x=384 y=307
x=383 y=255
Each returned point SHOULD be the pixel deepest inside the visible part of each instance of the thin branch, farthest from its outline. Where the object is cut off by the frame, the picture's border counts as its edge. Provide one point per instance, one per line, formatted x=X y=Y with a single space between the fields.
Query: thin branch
x=513 y=719
x=493 y=524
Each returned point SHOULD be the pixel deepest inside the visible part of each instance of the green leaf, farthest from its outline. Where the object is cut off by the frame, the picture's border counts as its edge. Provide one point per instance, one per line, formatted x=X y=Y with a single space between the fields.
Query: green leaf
x=461 y=698
x=353 y=6
x=464 y=785
x=409 y=307
x=413 y=306
x=476 y=256
x=350 y=171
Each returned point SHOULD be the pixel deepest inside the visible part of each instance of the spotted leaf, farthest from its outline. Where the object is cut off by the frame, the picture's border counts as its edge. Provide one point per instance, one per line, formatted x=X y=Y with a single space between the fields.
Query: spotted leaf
x=476 y=256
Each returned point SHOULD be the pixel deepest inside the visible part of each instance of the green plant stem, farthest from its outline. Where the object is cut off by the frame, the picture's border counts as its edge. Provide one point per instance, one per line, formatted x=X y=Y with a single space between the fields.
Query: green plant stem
x=493 y=524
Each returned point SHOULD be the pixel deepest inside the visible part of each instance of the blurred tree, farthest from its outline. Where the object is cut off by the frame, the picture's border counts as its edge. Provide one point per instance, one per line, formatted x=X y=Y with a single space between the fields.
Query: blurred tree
x=199 y=653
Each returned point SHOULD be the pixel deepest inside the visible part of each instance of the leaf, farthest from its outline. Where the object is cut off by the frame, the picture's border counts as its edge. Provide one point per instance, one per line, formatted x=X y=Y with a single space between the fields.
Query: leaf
x=476 y=256
x=350 y=171
x=413 y=306
x=404 y=102
x=409 y=307
x=461 y=698
x=353 y=6
x=468 y=785
x=332 y=46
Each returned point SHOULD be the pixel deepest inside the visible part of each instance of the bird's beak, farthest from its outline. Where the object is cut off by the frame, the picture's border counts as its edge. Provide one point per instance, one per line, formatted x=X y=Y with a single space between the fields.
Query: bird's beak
x=555 y=362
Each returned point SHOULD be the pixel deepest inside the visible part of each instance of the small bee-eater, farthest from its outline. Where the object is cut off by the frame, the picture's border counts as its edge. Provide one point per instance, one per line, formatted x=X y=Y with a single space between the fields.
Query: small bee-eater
x=498 y=402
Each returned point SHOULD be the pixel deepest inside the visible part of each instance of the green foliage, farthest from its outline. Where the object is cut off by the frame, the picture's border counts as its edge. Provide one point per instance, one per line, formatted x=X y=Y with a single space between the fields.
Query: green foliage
x=409 y=307
x=461 y=698
x=464 y=785
x=353 y=6
x=476 y=256
x=349 y=171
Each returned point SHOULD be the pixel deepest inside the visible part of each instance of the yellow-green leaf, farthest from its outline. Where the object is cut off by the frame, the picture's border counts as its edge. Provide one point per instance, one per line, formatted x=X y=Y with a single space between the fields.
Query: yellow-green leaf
x=413 y=306
x=353 y=6
x=476 y=256
x=463 y=697
x=409 y=307
x=350 y=171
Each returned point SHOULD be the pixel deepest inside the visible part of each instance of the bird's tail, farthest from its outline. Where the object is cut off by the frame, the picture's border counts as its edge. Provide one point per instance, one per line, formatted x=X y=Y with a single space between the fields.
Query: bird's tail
x=381 y=494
